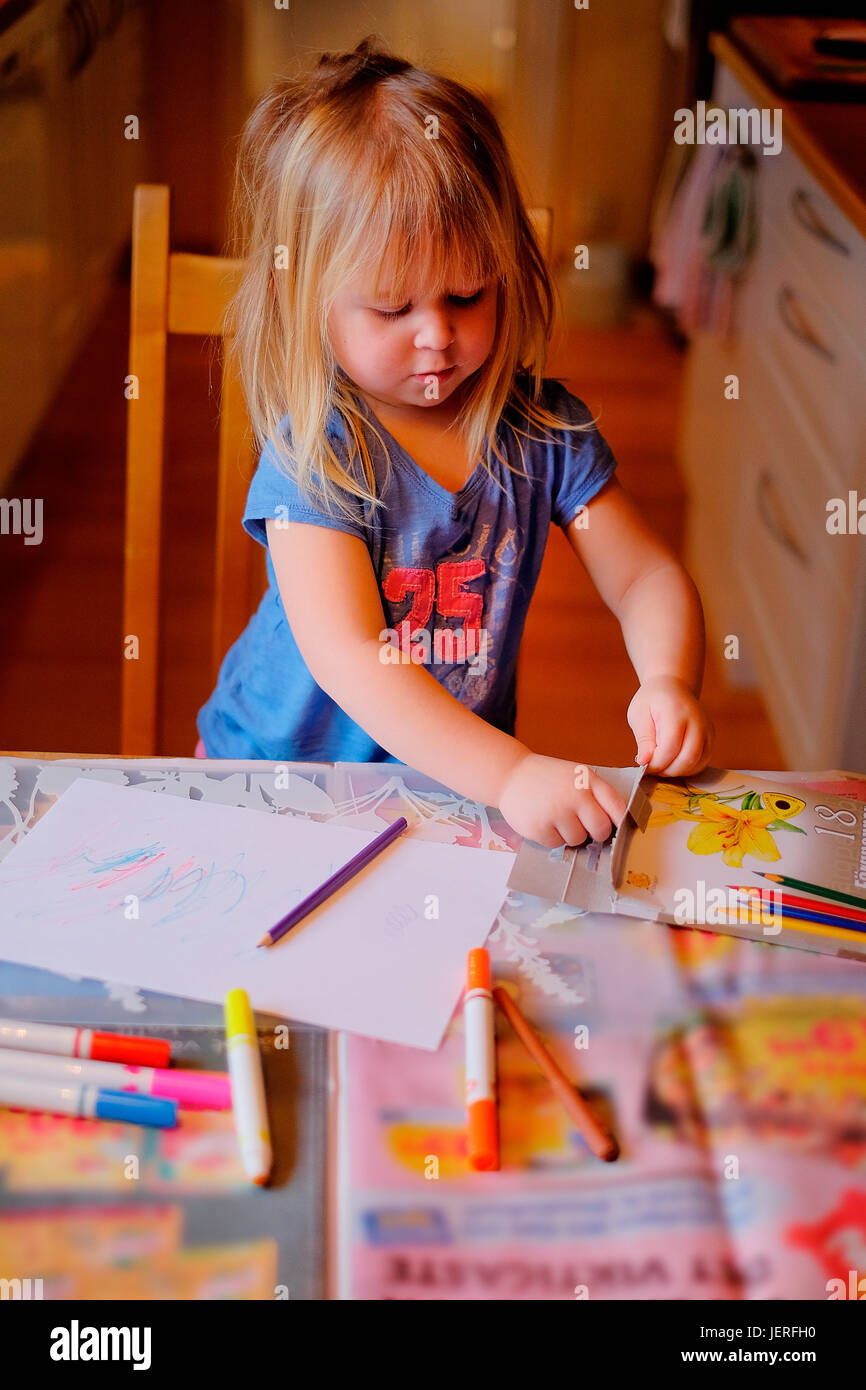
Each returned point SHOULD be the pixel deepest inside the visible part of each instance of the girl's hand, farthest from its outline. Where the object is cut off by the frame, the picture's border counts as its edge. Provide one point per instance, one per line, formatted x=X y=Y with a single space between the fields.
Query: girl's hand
x=556 y=802
x=674 y=732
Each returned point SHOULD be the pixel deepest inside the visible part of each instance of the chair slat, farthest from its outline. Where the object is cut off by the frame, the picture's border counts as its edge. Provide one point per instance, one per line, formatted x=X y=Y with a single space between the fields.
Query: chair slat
x=236 y=552
x=199 y=290
x=144 y=454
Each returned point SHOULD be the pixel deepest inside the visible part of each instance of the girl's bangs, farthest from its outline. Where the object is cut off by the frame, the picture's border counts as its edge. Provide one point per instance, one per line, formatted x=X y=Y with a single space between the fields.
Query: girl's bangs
x=448 y=250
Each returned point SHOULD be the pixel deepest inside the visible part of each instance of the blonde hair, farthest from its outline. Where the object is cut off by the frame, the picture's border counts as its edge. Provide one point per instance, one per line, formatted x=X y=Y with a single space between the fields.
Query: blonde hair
x=336 y=173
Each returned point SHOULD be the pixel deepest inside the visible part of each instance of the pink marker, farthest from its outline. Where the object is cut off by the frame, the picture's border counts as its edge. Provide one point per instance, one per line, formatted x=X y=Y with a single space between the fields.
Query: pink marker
x=193 y=1090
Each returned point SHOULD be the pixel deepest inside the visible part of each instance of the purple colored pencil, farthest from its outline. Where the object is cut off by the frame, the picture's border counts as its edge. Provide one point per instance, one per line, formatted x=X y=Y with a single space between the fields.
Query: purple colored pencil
x=348 y=871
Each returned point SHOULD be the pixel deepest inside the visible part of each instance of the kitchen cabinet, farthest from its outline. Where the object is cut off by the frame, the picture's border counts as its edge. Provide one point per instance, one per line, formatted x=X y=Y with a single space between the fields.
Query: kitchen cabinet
x=766 y=471
x=70 y=73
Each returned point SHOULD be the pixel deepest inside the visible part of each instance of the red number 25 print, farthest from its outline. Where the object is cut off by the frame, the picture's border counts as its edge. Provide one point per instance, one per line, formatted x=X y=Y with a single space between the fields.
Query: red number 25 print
x=446 y=583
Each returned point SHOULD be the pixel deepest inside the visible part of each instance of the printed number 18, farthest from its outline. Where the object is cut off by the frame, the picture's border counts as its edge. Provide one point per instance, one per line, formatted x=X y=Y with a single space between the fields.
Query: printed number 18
x=835 y=815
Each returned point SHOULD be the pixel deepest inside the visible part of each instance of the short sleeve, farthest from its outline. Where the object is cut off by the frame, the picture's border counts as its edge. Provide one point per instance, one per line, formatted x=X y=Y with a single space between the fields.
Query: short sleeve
x=273 y=493
x=583 y=459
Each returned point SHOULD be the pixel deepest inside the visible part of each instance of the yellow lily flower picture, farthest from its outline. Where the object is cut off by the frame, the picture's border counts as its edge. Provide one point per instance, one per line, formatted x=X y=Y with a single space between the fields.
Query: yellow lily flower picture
x=719 y=827
x=733 y=833
x=677 y=803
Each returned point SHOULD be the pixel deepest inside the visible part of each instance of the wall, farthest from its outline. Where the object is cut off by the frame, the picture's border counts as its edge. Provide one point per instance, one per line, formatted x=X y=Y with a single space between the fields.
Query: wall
x=585 y=97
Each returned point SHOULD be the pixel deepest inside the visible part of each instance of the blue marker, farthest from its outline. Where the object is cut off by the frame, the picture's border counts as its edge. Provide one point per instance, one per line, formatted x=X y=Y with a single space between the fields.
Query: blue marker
x=91 y=1102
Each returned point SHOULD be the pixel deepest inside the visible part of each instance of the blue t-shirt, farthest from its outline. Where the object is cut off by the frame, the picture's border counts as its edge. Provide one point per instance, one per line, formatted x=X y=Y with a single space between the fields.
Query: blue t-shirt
x=465 y=561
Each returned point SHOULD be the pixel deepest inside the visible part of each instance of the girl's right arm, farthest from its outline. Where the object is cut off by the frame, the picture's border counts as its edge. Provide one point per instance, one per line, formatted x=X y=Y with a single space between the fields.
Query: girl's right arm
x=332 y=602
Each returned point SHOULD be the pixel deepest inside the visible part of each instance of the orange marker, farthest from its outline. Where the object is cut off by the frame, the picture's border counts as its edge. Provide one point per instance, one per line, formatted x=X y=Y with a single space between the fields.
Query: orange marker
x=602 y=1144
x=478 y=1023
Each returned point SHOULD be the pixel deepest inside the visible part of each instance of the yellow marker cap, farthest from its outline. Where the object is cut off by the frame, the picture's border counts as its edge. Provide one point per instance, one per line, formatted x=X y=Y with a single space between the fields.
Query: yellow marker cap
x=239 y=1015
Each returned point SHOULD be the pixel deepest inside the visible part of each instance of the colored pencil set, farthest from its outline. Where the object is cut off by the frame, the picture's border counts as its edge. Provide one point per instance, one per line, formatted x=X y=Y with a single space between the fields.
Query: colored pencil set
x=828 y=911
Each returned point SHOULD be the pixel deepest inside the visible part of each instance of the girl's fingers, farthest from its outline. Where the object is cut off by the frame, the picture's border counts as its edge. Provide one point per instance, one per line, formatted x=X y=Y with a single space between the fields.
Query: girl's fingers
x=551 y=839
x=592 y=816
x=571 y=828
x=704 y=756
x=689 y=757
x=645 y=733
x=645 y=749
x=669 y=746
x=609 y=799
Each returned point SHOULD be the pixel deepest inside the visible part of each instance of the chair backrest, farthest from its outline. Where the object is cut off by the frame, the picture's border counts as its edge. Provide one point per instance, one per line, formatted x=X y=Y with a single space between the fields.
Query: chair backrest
x=173 y=292
x=176 y=292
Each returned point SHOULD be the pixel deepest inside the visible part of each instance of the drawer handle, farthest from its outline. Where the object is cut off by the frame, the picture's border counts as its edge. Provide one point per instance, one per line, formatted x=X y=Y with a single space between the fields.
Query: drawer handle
x=768 y=510
x=795 y=320
x=808 y=216
x=82 y=31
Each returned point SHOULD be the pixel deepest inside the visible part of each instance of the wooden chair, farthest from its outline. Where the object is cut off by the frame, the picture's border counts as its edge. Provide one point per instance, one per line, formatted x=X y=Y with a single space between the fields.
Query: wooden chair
x=177 y=292
x=174 y=292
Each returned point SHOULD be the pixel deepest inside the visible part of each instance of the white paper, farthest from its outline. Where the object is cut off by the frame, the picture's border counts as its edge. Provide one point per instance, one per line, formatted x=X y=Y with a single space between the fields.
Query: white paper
x=208 y=881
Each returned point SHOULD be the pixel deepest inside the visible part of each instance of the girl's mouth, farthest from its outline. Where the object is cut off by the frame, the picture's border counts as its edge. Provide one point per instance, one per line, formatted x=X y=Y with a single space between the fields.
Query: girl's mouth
x=440 y=376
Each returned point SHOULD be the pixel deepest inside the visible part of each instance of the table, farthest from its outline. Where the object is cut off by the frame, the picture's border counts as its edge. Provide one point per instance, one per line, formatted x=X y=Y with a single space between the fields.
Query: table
x=699 y=1049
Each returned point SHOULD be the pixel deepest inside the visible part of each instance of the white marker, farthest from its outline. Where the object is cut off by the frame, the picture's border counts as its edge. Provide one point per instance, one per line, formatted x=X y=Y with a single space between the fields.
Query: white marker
x=91 y=1102
x=64 y=1041
x=248 y=1087
x=480 y=1030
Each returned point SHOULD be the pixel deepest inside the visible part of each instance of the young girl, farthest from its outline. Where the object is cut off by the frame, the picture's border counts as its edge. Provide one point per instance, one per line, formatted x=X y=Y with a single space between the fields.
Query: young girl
x=391 y=332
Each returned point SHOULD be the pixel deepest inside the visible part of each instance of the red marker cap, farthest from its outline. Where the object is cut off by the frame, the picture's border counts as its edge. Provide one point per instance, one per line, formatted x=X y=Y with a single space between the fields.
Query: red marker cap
x=483 y=1141
x=478 y=969
x=135 y=1052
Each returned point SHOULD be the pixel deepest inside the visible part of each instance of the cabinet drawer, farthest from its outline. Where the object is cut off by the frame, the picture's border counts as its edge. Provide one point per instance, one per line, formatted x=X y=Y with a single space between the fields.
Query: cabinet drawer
x=783 y=319
x=832 y=251
x=799 y=464
x=809 y=222
x=797 y=607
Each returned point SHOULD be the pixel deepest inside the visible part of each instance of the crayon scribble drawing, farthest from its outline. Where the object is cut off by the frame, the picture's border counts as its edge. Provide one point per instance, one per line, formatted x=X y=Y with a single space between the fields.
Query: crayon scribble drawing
x=145 y=880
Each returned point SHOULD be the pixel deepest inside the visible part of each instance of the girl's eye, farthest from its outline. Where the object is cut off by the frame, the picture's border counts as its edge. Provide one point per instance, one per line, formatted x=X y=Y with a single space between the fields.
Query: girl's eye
x=462 y=301
x=392 y=313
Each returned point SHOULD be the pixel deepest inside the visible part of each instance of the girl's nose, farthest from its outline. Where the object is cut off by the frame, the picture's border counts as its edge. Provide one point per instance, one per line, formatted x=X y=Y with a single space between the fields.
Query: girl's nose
x=436 y=332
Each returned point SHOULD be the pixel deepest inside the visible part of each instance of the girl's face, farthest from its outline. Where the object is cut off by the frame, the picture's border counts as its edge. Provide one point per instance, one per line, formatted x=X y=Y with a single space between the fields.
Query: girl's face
x=414 y=355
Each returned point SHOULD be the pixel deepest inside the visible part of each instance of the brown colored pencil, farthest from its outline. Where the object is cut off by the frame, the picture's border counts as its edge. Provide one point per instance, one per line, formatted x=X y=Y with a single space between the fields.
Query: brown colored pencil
x=602 y=1144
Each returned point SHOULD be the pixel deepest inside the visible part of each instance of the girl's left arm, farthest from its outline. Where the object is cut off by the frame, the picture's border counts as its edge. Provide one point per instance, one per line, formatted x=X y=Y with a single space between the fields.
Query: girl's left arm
x=662 y=621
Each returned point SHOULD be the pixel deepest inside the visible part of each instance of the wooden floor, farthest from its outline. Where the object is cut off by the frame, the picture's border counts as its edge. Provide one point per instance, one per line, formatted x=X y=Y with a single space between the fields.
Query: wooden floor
x=61 y=620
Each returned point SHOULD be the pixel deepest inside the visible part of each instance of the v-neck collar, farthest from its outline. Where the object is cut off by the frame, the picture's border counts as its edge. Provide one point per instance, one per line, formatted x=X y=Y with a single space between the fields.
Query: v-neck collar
x=454 y=500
